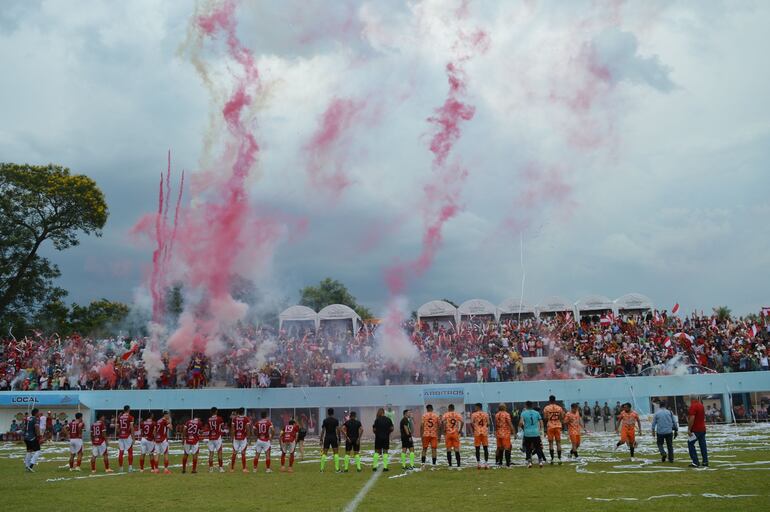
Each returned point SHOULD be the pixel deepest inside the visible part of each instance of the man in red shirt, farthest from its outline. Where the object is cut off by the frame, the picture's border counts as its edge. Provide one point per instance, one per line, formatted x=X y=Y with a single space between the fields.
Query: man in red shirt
x=147 y=441
x=126 y=438
x=162 y=428
x=74 y=430
x=192 y=436
x=99 y=444
x=215 y=427
x=696 y=432
x=288 y=443
x=265 y=432
x=239 y=427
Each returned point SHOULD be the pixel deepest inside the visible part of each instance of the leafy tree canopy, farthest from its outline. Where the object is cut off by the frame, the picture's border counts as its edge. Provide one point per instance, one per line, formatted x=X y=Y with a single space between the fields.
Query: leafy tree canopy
x=331 y=291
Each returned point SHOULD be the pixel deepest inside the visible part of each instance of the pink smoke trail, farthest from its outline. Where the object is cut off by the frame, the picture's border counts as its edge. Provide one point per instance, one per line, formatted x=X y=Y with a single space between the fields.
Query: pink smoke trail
x=327 y=147
x=442 y=195
x=155 y=278
x=220 y=231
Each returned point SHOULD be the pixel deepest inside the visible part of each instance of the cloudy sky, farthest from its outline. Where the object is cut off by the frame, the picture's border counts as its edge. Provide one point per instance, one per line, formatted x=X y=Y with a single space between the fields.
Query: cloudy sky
x=620 y=146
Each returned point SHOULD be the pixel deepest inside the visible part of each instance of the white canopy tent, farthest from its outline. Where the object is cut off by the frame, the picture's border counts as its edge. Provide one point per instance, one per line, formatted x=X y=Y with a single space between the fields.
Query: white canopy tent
x=594 y=305
x=514 y=308
x=299 y=314
x=633 y=303
x=477 y=308
x=339 y=314
x=553 y=305
x=438 y=310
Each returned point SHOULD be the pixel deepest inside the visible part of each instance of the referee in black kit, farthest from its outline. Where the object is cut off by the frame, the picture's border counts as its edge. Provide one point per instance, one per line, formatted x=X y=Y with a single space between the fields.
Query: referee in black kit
x=382 y=428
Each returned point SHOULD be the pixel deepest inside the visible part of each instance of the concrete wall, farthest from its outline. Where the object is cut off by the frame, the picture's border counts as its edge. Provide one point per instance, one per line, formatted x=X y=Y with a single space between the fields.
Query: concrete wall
x=637 y=390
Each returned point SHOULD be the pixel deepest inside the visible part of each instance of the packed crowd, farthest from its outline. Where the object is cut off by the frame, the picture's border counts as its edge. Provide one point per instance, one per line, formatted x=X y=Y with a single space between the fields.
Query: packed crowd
x=475 y=350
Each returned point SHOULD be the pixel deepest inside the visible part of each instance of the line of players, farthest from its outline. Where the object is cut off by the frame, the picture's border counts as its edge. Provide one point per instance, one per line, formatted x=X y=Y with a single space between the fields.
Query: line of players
x=154 y=434
x=450 y=425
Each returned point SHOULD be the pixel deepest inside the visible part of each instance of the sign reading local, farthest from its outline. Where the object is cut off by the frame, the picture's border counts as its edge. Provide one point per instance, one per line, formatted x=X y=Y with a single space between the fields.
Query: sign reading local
x=26 y=400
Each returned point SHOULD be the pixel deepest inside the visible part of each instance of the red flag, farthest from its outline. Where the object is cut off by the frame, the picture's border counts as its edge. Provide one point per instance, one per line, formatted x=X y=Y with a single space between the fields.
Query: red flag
x=667 y=343
x=675 y=309
x=753 y=331
x=131 y=352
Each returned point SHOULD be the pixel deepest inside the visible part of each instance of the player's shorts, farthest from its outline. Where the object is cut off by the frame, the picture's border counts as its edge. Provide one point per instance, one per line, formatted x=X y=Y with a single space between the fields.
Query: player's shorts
x=354 y=445
x=481 y=440
x=574 y=438
x=288 y=447
x=214 y=444
x=628 y=434
x=452 y=441
x=261 y=446
x=160 y=448
x=331 y=442
x=146 y=446
x=554 y=433
x=430 y=441
x=240 y=445
x=191 y=449
x=301 y=434
x=381 y=443
x=125 y=444
x=98 y=450
x=407 y=443
x=504 y=442
x=76 y=446
x=32 y=446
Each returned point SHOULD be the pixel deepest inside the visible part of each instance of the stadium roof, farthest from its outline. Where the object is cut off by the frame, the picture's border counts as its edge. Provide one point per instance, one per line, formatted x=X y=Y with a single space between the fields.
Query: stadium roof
x=633 y=302
x=594 y=303
x=437 y=308
x=554 y=304
x=474 y=307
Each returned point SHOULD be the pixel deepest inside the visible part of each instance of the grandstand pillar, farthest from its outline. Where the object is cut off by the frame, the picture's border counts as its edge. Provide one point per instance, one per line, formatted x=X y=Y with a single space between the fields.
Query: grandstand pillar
x=727 y=407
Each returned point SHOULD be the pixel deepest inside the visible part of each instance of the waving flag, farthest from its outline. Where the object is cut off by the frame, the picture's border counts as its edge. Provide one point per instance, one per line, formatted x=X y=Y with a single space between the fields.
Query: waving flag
x=675 y=309
x=130 y=352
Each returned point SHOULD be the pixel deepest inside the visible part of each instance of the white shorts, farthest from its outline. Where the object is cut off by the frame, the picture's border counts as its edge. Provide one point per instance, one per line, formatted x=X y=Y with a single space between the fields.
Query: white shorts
x=160 y=448
x=240 y=445
x=261 y=446
x=190 y=449
x=76 y=446
x=98 y=450
x=215 y=445
x=288 y=447
x=147 y=446
x=125 y=444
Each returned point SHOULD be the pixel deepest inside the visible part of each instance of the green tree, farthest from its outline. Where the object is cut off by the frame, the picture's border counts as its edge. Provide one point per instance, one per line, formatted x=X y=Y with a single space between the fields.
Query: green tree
x=98 y=318
x=331 y=291
x=723 y=313
x=39 y=204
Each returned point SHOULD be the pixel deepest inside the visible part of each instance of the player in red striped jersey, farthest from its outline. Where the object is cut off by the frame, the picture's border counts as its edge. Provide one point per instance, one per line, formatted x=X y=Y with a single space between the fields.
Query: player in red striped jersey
x=239 y=427
x=214 y=428
x=147 y=440
x=288 y=439
x=99 y=444
x=264 y=431
x=162 y=429
x=126 y=438
x=192 y=435
x=74 y=430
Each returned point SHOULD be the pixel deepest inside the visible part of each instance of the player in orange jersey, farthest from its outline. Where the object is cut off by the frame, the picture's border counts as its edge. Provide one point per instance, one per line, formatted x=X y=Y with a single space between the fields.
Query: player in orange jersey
x=503 y=429
x=429 y=432
x=453 y=425
x=480 y=422
x=553 y=413
x=574 y=427
x=628 y=420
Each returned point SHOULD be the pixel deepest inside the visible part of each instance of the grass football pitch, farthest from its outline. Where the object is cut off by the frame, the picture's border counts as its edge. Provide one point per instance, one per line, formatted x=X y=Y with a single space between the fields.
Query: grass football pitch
x=603 y=480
